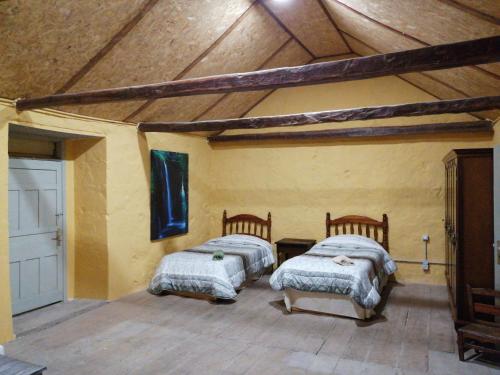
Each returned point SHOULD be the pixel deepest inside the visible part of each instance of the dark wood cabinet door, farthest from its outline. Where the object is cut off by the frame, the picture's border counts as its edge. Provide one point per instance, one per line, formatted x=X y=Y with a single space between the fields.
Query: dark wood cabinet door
x=468 y=225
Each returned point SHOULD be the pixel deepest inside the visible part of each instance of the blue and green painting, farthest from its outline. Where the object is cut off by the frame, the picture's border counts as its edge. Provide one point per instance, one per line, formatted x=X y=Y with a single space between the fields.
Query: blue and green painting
x=169 y=194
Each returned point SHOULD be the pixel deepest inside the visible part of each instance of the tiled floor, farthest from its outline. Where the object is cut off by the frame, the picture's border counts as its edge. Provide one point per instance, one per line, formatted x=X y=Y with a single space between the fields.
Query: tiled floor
x=144 y=334
x=46 y=317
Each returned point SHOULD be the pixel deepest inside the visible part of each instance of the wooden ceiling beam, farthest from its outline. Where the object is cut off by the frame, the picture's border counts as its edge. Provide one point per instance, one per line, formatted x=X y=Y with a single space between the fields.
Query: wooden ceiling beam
x=422 y=73
x=479 y=51
x=377 y=131
x=401 y=33
x=272 y=56
x=264 y=97
x=366 y=113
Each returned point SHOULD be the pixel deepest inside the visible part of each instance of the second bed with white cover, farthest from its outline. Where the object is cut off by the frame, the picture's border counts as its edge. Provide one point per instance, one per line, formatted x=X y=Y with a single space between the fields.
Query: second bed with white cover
x=314 y=281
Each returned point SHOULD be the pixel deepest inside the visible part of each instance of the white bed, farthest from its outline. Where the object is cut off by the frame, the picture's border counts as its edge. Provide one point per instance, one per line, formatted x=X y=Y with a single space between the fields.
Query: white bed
x=194 y=272
x=314 y=282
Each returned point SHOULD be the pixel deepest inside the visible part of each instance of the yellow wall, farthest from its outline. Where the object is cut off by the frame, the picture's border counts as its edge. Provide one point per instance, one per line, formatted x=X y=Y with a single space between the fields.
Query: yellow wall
x=133 y=257
x=5 y=308
x=90 y=205
x=38 y=147
x=299 y=182
x=109 y=253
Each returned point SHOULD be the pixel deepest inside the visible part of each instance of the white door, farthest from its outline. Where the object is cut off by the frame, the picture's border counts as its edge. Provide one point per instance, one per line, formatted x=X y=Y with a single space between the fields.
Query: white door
x=35 y=233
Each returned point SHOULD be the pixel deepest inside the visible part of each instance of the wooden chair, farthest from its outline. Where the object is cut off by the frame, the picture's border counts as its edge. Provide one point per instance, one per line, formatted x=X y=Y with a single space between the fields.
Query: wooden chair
x=480 y=335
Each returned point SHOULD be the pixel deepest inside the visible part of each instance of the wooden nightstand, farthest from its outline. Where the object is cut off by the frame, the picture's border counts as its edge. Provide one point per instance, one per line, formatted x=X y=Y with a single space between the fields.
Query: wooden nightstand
x=290 y=247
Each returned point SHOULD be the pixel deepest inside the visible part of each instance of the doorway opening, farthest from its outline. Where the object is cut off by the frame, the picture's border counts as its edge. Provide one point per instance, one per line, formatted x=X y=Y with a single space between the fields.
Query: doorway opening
x=57 y=270
x=37 y=241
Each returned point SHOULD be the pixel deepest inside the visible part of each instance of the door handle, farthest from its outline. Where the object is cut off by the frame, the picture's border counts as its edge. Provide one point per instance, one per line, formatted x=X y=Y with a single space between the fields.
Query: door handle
x=454 y=238
x=58 y=237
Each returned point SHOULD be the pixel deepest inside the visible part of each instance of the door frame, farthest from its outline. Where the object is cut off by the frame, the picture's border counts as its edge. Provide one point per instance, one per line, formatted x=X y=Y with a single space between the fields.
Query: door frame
x=64 y=218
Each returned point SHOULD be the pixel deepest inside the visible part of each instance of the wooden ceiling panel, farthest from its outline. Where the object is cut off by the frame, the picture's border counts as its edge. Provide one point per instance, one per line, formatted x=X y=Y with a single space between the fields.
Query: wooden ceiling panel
x=427 y=83
x=487 y=7
x=442 y=91
x=468 y=80
x=183 y=108
x=309 y=23
x=428 y=21
x=111 y=111
x=44 y=44
x=162 y=45
x=492 y=68
x=368 y=31
x=236 y=104
x=81 y=45
x=245 y=48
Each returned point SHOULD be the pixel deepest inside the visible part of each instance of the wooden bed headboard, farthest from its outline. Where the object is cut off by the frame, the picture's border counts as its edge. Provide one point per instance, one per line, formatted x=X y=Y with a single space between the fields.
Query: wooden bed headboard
x=354 y=224
x=247 y=224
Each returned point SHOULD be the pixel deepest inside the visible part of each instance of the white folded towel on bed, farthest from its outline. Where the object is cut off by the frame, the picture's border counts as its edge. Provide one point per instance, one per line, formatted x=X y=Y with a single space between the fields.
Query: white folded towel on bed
x=343 y=260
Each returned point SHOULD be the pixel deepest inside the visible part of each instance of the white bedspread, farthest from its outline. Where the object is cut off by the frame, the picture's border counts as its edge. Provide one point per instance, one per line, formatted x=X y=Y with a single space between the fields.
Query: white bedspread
x=315 y=271
x=256 y=253
x=193 y=270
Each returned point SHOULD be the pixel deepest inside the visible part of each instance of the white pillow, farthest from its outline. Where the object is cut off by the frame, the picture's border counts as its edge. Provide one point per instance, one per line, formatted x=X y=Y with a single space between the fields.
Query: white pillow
x=241 y=238
x=352 y=240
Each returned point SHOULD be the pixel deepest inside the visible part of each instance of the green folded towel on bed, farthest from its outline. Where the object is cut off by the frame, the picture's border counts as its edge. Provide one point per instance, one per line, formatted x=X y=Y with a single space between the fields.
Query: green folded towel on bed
x=218 y=255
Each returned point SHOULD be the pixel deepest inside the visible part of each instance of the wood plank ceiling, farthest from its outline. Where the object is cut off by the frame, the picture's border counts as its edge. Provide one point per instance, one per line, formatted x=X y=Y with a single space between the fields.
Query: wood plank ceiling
x=68 y=46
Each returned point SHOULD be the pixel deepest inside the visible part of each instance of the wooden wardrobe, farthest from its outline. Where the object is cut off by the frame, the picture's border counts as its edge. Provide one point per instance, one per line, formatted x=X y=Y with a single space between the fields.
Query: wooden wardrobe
x=468 y=225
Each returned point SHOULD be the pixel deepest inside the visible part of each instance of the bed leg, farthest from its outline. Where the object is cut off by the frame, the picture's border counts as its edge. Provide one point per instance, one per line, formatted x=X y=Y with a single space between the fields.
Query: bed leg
x=288 y=303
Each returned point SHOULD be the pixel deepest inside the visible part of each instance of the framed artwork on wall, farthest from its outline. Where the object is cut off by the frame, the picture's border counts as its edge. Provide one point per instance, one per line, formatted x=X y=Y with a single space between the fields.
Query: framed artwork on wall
x=169 y=194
